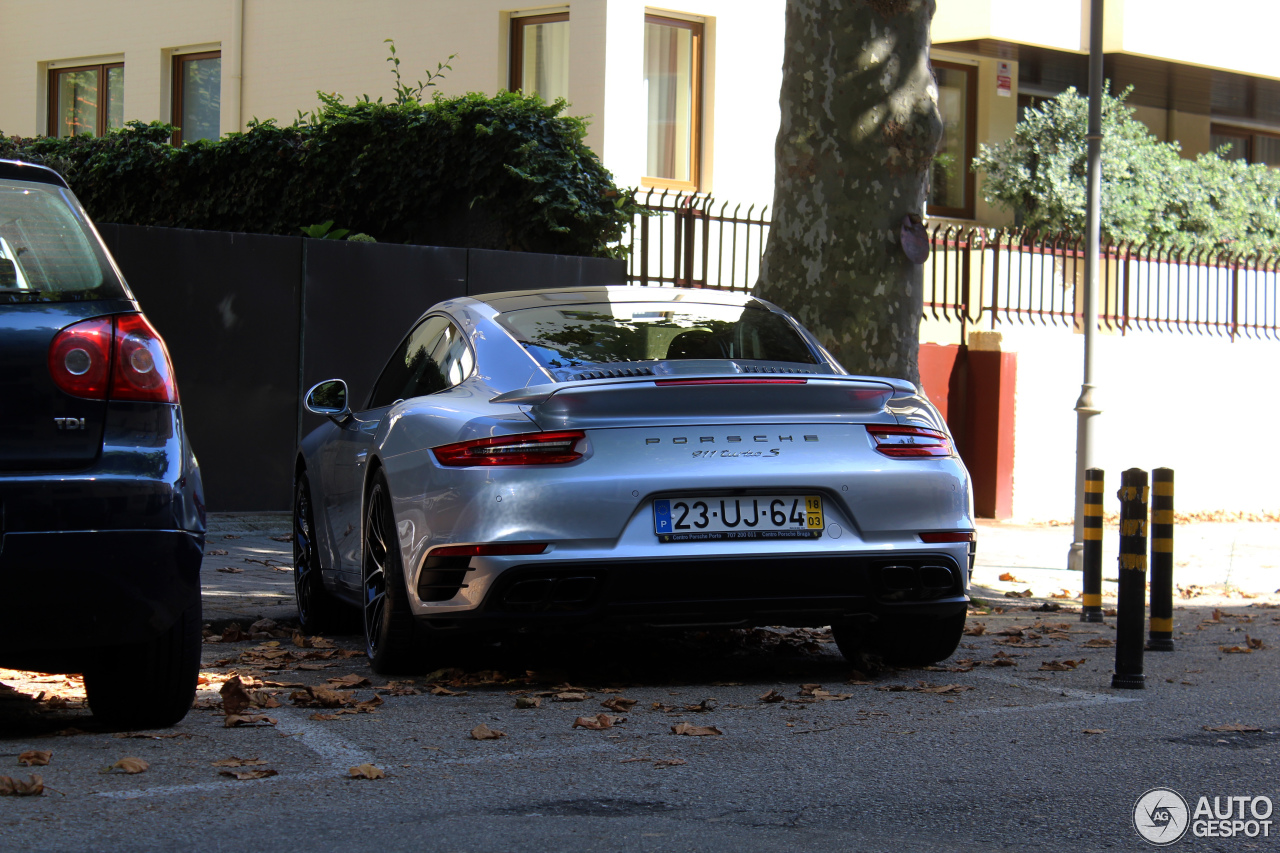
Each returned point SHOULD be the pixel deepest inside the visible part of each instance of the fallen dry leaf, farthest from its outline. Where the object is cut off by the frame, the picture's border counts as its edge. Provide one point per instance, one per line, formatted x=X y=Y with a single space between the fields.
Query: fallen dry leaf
x=288 y=537
x=1008 y=577
x=1100 y=643
x=35 y=758
x=231 y=570
x=483 y=732
x=318 y=695
x=773 y=696
x=234 y=696
x=233 y=761
x=1060 y=666
x=247 y=720
x=1235 y=650
x=1231 y=727
x=1026 y=593
x=352 y=680
x=669 y=762
x=618 y=703
x=438 y=690
x=1095 y=731
x=247 y=775
x=528 y=702
x=130 y=765
x=694 y=731
x=10 y=787
x=598 y=722
x=366 y=771
x=570 y=696
x=217 y=552
x=1254 y=643
x=976 y=629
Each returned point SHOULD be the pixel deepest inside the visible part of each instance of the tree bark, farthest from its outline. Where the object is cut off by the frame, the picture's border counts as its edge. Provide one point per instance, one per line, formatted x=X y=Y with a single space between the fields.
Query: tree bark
x=860 y=125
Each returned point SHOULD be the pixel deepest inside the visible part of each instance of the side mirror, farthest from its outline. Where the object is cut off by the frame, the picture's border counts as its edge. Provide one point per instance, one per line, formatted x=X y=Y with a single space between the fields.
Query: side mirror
x=328 y=398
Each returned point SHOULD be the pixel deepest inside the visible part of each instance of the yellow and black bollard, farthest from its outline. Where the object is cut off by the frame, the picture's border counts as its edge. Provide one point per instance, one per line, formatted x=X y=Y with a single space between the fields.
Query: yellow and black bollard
x=1131 y=607
x=1092 y=553
x=1160 y=638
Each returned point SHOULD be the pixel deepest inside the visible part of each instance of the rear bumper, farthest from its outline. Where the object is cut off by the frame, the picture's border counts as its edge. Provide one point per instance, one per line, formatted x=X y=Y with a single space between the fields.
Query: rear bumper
x=71 y=595
x=737 y=592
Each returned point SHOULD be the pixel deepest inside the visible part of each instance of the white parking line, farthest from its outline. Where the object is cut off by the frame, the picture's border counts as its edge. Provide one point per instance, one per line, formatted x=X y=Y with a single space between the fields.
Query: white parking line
x=319 y=739
x=1077 y=698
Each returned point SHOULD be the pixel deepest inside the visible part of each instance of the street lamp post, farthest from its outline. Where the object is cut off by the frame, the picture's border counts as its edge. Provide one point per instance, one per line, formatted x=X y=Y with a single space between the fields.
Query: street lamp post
x=1087 y=406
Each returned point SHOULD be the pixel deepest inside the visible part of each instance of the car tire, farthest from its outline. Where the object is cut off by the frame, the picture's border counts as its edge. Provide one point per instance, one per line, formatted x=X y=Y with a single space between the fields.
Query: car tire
x=148 y=685
x=318 y=610
x=392 y=641
x=914 y=640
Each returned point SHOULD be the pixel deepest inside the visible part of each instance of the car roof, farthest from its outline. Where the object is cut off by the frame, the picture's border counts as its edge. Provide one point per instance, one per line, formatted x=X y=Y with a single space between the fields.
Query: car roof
x=515 y=300
x=16 y=170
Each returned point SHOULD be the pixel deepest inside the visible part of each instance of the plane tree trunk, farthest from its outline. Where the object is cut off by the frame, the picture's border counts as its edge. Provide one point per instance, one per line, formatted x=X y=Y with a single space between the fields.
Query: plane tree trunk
x=860 y=125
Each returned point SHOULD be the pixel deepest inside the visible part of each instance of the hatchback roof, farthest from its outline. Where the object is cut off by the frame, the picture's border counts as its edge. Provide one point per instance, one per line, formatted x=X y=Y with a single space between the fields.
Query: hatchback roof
x=16 y=170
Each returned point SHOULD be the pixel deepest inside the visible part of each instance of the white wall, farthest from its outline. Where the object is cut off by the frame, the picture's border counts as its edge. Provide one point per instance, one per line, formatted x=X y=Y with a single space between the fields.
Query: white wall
x=1201 y=405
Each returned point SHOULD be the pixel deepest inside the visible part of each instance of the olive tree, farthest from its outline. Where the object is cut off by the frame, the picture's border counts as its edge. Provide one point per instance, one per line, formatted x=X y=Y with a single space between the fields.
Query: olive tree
x=860 y=126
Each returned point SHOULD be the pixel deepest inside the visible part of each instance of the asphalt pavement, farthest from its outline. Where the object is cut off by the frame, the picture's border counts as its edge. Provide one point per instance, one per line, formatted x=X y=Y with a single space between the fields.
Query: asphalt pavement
x=247 y=571
x=716 y=741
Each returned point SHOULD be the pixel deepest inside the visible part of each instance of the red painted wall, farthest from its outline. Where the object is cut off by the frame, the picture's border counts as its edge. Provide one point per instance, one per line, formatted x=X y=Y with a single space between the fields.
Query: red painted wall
x=974 y=391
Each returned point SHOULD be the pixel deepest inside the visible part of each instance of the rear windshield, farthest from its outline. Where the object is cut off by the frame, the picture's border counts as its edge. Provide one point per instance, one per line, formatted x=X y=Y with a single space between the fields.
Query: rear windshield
x=46 y=254
x=571 y=335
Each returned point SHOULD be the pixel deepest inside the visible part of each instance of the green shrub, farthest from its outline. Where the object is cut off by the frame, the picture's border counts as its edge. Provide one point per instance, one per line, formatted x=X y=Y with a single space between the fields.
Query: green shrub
x=503 y=172
x=1150 y=193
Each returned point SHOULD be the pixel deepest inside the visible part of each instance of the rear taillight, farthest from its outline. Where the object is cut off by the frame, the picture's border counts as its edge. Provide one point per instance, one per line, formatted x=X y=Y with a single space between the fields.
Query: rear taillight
x=143 y=370
x=118 y=358
x=80 y=358
x=903 y=442
x=535 y=448
x=497 y=549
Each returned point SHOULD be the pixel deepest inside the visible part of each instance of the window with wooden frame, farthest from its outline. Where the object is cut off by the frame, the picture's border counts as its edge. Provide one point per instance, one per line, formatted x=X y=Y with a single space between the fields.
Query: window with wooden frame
x=197 y=96
x=950 y=178
x=673 y=95
x=86 y=99
x=540 y=55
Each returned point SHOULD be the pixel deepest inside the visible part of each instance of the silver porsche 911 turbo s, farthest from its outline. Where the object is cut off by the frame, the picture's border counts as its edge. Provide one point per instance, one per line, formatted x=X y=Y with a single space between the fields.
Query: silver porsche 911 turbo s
x=650 y=456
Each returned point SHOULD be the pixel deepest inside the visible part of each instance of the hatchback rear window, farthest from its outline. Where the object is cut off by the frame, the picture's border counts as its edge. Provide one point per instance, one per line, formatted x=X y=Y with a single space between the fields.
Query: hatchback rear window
x=571 y=335
x=46 y=251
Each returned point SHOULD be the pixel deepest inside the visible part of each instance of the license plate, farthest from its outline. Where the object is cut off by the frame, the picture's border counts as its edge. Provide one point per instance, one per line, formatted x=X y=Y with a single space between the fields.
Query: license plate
x=714 y=519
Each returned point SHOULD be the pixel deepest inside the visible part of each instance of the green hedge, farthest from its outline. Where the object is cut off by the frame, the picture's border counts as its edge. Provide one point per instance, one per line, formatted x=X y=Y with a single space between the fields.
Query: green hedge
x=502 y=172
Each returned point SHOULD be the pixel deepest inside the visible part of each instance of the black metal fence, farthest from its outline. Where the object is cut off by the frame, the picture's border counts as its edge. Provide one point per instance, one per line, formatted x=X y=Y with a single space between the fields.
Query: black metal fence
x=252 y=321
x=979 y=278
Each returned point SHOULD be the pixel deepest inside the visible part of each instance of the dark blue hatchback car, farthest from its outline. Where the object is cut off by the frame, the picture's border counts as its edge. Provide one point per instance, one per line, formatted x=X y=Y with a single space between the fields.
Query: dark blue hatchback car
x=102 y=517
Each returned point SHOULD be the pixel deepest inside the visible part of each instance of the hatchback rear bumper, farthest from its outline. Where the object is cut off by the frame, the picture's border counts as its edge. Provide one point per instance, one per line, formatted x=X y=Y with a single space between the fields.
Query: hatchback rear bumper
x=76 y=594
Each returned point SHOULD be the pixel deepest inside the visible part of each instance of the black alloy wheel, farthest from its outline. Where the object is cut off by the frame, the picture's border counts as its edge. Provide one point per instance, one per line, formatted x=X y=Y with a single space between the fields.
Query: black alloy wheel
x=318 y=610
x=391 y=641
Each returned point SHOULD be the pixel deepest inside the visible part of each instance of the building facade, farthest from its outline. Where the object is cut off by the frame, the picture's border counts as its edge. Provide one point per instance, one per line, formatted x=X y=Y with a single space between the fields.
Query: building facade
x=681 y=98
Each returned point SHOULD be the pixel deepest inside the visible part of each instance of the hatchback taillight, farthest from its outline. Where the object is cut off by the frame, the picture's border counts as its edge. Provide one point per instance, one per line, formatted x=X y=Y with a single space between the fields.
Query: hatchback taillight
x=531 y=448
x=904 y=442
x=117 y=358
x=80 y=358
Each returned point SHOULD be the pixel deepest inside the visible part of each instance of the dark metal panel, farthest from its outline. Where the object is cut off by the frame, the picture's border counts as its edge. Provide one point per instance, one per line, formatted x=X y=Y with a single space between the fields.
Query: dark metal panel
x=227 y=306
x=361 y=299
x=491 y=271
